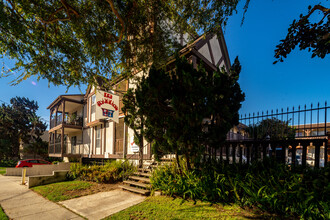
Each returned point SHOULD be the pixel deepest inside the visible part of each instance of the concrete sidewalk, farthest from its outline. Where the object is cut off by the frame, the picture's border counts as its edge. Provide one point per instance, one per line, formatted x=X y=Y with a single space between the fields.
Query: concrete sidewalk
x=103 y=204
x=19 y=202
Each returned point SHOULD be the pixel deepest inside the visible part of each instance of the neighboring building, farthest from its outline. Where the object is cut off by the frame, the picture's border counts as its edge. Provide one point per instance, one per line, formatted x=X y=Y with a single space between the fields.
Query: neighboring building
x=76 y=132
x=303 y=132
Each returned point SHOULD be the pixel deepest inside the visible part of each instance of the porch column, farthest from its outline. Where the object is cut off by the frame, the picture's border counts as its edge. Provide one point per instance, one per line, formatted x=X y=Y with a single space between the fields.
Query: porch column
x=63 y=112
x=50 y=119
x=56 y=116
x=54 y=141
x=49 y=143
x=62 y=141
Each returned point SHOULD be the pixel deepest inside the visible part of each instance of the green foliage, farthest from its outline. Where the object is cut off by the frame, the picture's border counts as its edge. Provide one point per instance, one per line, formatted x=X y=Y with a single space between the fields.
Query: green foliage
x=272 y=128
x=3 y=215
x=267 y=185
x=70 y=42
x=8 y=163
x=111 y=172
x=57 y=191
x=175 y=105
x=311 y=36
x=19 y=123
x=39 y=147
x=3 y=170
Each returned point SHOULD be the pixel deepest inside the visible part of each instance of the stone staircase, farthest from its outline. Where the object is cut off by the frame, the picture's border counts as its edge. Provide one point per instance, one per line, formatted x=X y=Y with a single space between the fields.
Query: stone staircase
x=139 y=182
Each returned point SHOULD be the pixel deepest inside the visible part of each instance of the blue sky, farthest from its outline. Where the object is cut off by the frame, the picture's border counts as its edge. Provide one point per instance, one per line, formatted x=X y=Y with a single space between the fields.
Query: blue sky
x=297 y=81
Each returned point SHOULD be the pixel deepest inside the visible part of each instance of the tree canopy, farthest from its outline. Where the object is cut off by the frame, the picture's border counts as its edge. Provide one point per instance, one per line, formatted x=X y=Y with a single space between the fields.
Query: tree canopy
x=308 y=35
x=187 y=109
x=272 y=129
x=69 y=42
x=19 y=123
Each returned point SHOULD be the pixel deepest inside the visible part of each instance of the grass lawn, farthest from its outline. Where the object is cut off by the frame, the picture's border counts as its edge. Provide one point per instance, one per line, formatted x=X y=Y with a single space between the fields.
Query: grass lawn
x=60 y=191
x=71 y=189
x=2 y=170
x=162 y=207
x=3 y=216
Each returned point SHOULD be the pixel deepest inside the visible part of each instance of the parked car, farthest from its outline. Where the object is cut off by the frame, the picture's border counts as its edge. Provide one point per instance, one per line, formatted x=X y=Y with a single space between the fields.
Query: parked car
x=30 y=162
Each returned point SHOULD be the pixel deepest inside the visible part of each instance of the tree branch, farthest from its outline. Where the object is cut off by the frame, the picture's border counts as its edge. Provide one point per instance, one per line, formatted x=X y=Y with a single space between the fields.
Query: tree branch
x=120 y=20
x=68 y=9
x=316 y=7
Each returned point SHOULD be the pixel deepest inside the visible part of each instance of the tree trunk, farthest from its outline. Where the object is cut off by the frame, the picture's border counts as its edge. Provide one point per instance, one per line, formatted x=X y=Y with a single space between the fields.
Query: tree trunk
x=141 y=152
x=188 y=161
x=178 y=161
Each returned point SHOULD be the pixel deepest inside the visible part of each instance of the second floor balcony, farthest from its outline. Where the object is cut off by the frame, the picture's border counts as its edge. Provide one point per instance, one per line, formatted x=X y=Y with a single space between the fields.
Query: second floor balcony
x=67 y=112
x=68 y=120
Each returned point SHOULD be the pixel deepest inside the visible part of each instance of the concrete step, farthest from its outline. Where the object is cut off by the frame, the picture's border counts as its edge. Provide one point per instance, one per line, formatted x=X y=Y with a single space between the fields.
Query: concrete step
x=153 y=165
x=142 y=174
x=144 y=170
x=134 y=183
x=143 y=179
x=134 y=189
x=167 y=159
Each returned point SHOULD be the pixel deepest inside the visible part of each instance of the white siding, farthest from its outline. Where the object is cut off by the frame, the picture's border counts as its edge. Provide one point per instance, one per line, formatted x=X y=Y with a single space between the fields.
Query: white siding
x=85 y=115
x=216 y=50
x=204 y=50
x=87 y=141
x=109 y=139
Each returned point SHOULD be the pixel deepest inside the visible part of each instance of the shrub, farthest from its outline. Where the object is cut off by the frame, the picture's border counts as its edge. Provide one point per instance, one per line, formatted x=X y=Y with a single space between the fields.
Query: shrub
x=267 y=185
x=8 y=163
x=111 y=172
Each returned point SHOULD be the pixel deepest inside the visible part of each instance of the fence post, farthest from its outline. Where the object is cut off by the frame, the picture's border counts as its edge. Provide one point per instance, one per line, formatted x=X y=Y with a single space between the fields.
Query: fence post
x=285 y=145
x=293 y=154
x=234 y=152
x=264 y=150
x=326 y=152
x=258 y=150
x=248 y=153
x=240 y=153
x=304 y=154
x=317 y=154
x=273 y=147
x=227 y=153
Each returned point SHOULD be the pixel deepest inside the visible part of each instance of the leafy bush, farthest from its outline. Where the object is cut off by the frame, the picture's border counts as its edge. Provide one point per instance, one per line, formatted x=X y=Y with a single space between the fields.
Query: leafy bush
x=8 y=163
x=111 y=172
x=267 y=185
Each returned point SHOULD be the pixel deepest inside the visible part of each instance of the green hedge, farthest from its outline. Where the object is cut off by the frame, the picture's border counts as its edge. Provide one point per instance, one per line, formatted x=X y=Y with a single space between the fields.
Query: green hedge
x=111 y=172
x=267 y=185
x=8 y=163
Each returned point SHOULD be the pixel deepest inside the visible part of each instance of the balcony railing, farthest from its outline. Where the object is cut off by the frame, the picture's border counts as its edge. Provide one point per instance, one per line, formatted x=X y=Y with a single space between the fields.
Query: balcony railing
x=55 y=148
x=77 y=149
x=68 y=120
x=69 y=148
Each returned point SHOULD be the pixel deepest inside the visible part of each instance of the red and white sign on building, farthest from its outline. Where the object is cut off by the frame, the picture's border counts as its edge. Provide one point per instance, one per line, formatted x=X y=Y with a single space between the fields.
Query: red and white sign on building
x=107 y=106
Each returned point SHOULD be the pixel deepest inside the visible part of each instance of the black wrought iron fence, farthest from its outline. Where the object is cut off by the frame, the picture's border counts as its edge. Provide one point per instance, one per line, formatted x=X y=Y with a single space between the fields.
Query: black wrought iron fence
x=297 y=136
x=302 y=121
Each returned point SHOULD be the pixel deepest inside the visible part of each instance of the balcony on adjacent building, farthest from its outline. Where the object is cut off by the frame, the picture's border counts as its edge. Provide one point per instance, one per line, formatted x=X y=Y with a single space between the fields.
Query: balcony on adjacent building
x=66 y=117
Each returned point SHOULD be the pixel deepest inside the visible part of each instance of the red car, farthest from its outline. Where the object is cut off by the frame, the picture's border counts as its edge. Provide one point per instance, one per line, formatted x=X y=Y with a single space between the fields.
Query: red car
x=30 y=162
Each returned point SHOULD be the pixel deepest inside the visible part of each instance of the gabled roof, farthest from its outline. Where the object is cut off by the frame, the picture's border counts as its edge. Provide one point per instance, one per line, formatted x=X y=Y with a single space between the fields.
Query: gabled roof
x=200 y=47
x=210 y=42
